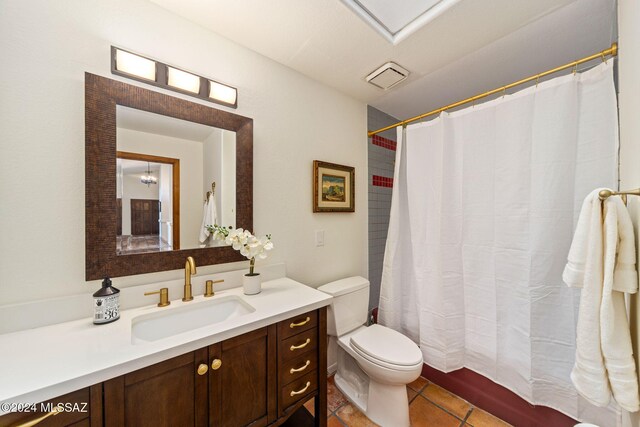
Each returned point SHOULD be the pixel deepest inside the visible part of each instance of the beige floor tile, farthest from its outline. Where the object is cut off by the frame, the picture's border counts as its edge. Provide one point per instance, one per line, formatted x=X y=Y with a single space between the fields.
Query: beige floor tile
x=352 y=417
x=310 y=406
x=335 y=398
x=480 y=418
x=448 y=401
x=411 y=393
x=419 y=384
x=425 y=414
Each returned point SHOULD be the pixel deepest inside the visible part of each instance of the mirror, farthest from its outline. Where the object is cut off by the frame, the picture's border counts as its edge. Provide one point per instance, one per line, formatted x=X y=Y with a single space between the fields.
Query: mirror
x=173 y=178
x=150 y=162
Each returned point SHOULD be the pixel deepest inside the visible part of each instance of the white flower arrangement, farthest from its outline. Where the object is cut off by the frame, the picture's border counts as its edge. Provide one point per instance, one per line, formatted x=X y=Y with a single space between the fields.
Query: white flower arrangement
x=242 y=240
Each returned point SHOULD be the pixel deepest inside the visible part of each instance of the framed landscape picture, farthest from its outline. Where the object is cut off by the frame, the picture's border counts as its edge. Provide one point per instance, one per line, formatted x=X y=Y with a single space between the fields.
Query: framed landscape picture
x=333 y=187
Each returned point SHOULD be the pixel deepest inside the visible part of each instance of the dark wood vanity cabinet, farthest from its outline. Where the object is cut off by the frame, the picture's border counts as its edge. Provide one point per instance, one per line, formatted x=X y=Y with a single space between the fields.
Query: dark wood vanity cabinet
x=256 y=379
x=260 y=378
x=80 y=408
x=242 y=389
x=169 y=393
x=226 y=384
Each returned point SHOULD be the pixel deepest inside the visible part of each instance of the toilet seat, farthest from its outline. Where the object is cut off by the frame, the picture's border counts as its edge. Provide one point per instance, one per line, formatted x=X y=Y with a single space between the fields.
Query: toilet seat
x=387 y=348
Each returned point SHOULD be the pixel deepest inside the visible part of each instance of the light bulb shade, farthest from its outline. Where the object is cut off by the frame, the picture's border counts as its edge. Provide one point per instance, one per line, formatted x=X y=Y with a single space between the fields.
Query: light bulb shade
x=222 y=93
x=183 y=80
x=135 y=65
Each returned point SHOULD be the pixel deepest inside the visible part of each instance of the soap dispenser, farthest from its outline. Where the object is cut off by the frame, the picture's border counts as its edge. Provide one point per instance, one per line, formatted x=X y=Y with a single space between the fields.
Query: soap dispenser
x=106 y=303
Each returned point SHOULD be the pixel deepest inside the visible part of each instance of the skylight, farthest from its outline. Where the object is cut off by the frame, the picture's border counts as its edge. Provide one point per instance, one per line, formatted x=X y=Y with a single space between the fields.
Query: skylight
x=396 y=21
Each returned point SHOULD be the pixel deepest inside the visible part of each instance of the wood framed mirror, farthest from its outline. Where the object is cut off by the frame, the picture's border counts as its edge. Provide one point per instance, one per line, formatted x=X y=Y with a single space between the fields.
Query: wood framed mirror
x=103 y=196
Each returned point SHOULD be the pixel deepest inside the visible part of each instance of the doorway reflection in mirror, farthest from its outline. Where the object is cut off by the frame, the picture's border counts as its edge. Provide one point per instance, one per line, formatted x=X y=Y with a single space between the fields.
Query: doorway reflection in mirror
x=142 y=190
x=185 y=158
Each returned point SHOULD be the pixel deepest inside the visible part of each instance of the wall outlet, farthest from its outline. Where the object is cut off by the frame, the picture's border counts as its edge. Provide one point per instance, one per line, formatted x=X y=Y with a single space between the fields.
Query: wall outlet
x=319 y=237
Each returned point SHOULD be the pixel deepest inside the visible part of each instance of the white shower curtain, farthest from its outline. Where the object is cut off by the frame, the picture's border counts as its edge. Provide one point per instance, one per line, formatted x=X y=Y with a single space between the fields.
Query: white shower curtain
x=484 y=205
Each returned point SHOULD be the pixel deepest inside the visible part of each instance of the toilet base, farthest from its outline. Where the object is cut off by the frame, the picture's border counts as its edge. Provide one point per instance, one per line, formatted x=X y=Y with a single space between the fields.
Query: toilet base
x=384 y=404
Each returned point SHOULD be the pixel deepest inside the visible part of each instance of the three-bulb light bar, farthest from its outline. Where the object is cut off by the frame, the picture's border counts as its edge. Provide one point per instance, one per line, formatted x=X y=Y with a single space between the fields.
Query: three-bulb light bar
x=137 y=67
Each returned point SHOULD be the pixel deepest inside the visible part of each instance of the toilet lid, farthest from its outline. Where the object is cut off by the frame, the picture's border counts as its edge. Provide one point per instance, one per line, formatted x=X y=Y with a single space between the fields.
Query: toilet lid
x=386 y=345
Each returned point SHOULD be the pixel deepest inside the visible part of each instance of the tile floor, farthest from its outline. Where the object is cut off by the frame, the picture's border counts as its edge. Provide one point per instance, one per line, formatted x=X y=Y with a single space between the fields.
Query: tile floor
x=429 y=405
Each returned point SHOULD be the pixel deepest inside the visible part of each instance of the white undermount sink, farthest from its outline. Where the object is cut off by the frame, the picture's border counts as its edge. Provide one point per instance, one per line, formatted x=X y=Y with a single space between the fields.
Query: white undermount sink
x=193 y=315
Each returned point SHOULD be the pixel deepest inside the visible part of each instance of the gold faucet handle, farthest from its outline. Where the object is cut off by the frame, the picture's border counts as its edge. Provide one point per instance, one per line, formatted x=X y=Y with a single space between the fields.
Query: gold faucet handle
x=208 y=292
x=164 y=296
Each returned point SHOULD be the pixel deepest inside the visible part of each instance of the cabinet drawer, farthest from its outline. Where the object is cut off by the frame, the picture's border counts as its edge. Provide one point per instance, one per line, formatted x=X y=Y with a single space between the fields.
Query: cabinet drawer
x=75 y=409
x=298 y=344
x=297 y=324
x=298 y=366
x=299 y=389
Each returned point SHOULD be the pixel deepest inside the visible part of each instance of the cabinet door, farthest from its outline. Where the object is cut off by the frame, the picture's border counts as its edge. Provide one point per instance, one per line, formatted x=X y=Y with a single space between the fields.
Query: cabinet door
x=170 y=393
x=243 y=388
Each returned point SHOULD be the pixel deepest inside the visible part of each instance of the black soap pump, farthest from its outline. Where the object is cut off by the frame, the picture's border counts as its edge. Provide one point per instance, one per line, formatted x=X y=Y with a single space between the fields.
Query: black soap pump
x=106 y=303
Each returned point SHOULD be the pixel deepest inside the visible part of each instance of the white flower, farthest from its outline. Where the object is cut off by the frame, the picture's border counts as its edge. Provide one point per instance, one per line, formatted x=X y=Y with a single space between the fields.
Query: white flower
x=242 y=240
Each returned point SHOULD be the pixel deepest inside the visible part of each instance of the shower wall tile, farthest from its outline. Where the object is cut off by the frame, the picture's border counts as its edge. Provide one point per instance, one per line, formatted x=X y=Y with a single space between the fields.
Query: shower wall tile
x=381 y=156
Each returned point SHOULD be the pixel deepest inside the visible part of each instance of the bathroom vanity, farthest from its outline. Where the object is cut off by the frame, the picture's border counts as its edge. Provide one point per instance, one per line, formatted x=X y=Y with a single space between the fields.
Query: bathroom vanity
x=256 y=368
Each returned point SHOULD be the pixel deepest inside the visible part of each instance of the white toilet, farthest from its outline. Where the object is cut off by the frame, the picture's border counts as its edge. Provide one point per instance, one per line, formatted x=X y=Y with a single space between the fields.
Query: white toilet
x=375 y=363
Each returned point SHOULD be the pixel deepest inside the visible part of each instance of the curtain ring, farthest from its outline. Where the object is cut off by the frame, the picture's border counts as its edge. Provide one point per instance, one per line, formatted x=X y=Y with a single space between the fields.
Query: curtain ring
x=537 y=80
x=575 y=68
x=504 y=91
x=603 y=58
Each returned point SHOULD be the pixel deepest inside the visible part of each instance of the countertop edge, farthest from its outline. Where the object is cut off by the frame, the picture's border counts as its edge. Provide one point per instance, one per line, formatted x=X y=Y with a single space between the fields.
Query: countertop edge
x=101 y=375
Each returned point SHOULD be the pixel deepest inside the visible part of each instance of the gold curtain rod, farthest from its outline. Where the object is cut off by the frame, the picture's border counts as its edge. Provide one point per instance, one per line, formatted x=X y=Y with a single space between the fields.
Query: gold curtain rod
x=612 y=51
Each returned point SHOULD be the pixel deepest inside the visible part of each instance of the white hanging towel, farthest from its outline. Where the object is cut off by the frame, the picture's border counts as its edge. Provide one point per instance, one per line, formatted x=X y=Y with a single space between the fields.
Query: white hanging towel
x=604 y=359
x=584 y=270
x=620 y=276
x=209 y=217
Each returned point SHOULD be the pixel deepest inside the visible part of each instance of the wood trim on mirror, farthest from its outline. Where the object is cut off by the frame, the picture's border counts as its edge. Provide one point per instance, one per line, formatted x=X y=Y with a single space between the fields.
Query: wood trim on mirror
x=101 y=97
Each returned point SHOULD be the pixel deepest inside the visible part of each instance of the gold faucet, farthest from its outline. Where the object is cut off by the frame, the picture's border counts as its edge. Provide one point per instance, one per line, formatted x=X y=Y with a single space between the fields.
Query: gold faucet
x=189 y=270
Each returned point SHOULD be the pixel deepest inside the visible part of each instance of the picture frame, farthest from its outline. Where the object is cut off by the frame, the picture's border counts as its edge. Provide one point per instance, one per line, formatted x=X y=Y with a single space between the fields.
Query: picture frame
x=333 y=187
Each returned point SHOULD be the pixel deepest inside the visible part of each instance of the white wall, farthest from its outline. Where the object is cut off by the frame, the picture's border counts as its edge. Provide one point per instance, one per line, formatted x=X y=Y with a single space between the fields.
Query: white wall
x=212 y=167
x=165 y=184
x=228 y=193
x=629 y=109
x=47 y=46
x=212 y=160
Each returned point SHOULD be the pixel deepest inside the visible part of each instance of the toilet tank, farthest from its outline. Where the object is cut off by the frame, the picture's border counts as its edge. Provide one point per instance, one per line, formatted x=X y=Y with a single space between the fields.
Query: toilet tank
x=350 y=304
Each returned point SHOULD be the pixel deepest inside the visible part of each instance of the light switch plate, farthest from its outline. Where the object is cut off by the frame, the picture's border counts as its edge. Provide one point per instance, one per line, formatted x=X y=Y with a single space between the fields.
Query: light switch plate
x=319 y=237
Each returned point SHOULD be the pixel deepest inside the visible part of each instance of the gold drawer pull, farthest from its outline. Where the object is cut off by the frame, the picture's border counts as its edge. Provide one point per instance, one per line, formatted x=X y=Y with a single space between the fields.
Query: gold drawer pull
x=215 y=365
x=38 y=420
x=304 y=322
x=202 y=369
x=302 y=368
x=298 y=347
x=293 y=393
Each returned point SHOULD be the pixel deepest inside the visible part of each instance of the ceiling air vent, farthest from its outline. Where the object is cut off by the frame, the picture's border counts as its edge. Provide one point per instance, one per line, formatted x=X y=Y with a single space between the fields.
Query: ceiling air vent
x=387 y=76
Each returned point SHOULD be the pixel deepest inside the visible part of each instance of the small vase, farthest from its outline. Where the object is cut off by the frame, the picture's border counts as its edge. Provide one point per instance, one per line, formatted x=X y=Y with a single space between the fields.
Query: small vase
x=252 y=284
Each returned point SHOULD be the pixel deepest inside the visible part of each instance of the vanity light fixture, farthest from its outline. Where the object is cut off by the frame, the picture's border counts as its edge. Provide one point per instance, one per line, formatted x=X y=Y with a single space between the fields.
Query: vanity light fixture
x=134 y=65
x=222 y=93
x=148 y=178
x=156 y=73
x=183 y=80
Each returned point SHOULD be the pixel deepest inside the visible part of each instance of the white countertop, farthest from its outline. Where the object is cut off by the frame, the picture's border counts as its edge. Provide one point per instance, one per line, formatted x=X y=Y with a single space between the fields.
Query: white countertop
x=46 y=362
